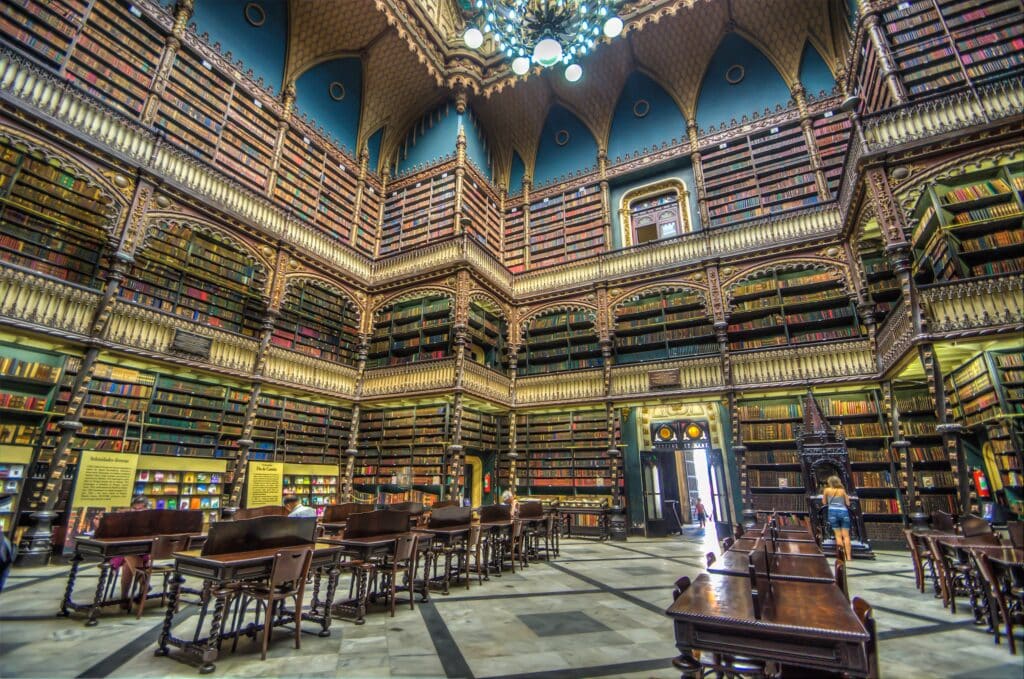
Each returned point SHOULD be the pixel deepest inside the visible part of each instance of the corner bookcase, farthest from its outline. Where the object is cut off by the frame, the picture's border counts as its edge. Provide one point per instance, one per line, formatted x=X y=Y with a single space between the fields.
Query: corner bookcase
x=883 y=286
x=193 y=274
x=781 y=308
x=403 y=453
x=566 y=226
x=663 y=324
x=488 y=331
x=297 y=430
x=559 y=341
x=410 y=331
x=929 y=475
x=514 y=255
x=318 y=321
x=418 y=211
x=971 y=226
x=564 y=453
x=50 y=221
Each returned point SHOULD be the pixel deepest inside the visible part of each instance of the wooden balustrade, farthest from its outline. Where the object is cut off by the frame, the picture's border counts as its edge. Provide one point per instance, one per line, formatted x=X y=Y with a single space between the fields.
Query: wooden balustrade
x=38 y=300
x=895 y=336
x=798 y=365
x=485 y=382
x=694 y=374
x=303 y=371
x=990 y=303
x=577 y=385
x=415 y=377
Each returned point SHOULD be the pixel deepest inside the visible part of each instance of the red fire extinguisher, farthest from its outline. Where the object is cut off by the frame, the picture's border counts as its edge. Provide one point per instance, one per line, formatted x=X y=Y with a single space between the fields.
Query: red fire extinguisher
x=487 y=482
x=980 y=483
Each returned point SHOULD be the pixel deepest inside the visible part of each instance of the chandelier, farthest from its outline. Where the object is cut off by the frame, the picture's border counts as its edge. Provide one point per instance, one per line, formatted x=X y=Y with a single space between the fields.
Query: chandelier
x=544 y=32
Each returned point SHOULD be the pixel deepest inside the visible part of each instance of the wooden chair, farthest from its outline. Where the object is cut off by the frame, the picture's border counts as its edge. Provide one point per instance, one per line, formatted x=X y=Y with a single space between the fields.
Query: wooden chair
x=972 y=526
x=727 y=544
x=709 y=558
x=943 y=521
x=445 y=503
x=924 y=552
x=915 y=559
x=474 y=549
x=163 y=547
x=287 y=580
x=402 y=562
x=957 y=571
x=841 y=582
x=1006 y=584
x=1016 y=530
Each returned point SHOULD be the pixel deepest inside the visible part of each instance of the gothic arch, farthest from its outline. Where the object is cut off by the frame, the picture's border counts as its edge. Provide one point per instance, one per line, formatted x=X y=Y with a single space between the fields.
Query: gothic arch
x=800 y=264
x=427 y=291
x=663 y=286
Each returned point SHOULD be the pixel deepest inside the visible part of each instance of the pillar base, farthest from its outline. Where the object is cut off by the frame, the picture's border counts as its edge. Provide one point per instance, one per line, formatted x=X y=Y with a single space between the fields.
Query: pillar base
x=617 y=525
x=36 y=546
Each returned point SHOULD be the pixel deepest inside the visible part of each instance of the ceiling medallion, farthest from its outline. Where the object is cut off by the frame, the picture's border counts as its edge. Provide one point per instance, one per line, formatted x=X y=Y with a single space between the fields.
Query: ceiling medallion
x=255 y=15
x=544 y=32
x=735 y=74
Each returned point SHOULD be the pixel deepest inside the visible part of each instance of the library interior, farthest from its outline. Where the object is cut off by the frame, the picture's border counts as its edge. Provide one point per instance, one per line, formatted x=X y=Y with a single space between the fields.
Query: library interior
x=648 y=339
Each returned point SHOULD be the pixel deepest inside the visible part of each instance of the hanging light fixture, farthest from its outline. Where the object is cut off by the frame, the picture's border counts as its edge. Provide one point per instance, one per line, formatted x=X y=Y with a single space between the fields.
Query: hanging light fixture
x=545 y=32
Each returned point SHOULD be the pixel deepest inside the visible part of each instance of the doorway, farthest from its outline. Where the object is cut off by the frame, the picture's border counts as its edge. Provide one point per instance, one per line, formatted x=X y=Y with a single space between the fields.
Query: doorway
x=472 y=473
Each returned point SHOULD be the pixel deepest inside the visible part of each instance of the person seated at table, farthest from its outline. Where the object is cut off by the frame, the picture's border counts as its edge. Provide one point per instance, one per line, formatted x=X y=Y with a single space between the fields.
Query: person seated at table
x=130 y=564
x=508 y=499
x=297 y=510
x=838 y=503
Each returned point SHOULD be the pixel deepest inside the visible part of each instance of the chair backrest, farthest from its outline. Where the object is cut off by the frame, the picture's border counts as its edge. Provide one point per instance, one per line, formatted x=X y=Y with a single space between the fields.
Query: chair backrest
x=413 y=508
x=380 y=522
x=490 y=513
x=474 y=537
x=290 y=565
x=921 y=546
x=727 y=544
x=682 y=584
x=531 y=509
x=256 y=512
x=709 y=558
x=943 y=521
x=866 y=615
x=339 y=513
x=841 y=577
x=450 y=516
x=974 y=526
x=1016 y=529
x=405 y=547
x=265 y=532
x=166 y=545
x=445 y=503
x=149 y=522
x=1008 y=575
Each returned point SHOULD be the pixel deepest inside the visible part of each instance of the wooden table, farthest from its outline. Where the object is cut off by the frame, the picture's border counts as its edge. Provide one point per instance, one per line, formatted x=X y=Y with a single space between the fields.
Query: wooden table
x=446 y=537
x=367 y=550
x=220 y=569
x=334 y=527
x=781 y=547
x=489 y=532
x=808 y=624
x=783 y=567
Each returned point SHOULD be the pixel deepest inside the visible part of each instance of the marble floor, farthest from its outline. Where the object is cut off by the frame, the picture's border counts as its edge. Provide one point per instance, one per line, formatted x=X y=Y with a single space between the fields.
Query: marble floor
x=597 y=611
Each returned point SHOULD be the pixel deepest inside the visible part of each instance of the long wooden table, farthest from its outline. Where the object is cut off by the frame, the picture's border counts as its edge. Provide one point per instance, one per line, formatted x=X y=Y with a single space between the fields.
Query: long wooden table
x=217 y=571
x=796 y=548
x=807 y=624
x=446 y=537
x=783 y=567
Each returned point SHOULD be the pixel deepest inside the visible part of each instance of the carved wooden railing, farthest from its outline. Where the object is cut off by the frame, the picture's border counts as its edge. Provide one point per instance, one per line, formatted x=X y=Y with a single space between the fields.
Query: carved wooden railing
x=485 y=382
x=967 y=307
x=895 y=336
x=577 y=385
x=37 y=300
x=306 y=371
x=27 y=84
x=796 y=365
x=414 y=377
x=137 y=327
x=956 y=111
x=703 y=372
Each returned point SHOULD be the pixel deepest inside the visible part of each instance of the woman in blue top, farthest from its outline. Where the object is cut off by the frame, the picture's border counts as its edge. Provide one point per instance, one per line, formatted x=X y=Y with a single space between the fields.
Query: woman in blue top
x=838 y=503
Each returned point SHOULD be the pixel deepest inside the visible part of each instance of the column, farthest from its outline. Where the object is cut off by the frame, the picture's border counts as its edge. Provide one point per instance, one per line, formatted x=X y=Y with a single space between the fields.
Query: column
x=606 y=199
x=287 y=106
x=460 y=178
x=353 y=437
x=513 y=440
x=527 y=185
x=182 y=13
x=740 y=452
x=949 y=430
x=898 y=452
x=698 y=174
x=878 y=43
x=807 y=126
x=357 y=209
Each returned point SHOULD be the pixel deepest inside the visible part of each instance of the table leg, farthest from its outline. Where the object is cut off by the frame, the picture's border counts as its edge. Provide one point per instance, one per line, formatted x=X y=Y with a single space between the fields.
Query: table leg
x=427 y=559
x=210 y=652
x=97 y=599
x=314 y=602
x=332 y=584
x=76 y=561
x=487 y=557
x=172 y=605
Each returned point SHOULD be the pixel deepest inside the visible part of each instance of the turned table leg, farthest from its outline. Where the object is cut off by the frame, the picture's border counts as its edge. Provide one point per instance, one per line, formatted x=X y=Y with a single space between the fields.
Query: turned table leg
x=76 y=561
x=172 y=605
x=332 y=584
x=97 y=599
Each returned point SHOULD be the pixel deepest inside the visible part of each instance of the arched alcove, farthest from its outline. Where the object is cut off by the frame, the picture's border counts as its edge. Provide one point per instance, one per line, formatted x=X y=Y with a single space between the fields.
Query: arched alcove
x=565 y=146
x=645 y=117
x=739 y=80
x=330 y=93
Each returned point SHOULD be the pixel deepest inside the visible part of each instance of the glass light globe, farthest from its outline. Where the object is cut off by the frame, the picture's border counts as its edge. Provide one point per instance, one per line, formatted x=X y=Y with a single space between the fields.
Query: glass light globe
x=573 y=72
x=613 y=27
x=473 y=37
x=520 y=65
x=547 y=52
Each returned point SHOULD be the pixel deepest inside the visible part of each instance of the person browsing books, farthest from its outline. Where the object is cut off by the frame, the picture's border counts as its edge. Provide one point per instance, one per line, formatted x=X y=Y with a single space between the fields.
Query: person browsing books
x=297 y=510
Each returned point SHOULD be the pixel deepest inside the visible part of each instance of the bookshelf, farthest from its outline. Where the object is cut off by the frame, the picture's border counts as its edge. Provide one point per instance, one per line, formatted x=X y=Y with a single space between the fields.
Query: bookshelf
x=192 y=274
x=781 y=308
x=410 y=331
x=883 y=286
x=115 y=55
x=663 y=324
x=515 y=237
x=566 y=226
x=51 y=222
x=45 y=29
x=558 y=341
x=417 y=212
x=403 y=452
x=316 y=485
x=832 y=137
x=871 y=85
x=759 y=174
x=192 y=122
x=940 y=45
x=183 y=418
x=171 y=483
x=481 y=215
x=970 y=228
x=369 y=214
x=928 y=465
x=564 y=453
x=116 y=402
x=318 y=321
x=246 y=146
x=487 y=333
x=28 y=385
x=300 y=175
x=294 y=430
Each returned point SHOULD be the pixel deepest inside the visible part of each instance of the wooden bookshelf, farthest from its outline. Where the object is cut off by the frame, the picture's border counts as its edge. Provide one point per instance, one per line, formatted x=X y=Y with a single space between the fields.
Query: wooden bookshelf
x=883 y=286
x=515 y=242
x=402 y=452
x=564 y=453
x=115 y=56
x=183 y=418
x=318 y=321
x=663 y=324
x=410 y=331
x=294 y=430
x=44 y=28
x=926 y=459
x=171 y=483
x=192 y=122
x=566 y=226
x=369 y=214
x=481 y=215
x=191 y=274
x=315 y=485
x=50 y=221
x=246 y=146
x=300 y=175
x=488 y=331
x=788 y=308
x=559 y=341
x=418 y=211
x=832 y=137
x=871 y=84
x=970 y=228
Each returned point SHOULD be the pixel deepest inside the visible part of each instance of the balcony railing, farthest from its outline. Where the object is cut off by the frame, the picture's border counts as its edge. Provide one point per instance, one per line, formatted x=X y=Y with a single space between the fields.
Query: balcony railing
x=414 y=377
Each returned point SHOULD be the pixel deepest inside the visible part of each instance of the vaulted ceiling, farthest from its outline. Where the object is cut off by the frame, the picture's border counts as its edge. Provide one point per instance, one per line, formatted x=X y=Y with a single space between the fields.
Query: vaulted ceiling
x=414 y=59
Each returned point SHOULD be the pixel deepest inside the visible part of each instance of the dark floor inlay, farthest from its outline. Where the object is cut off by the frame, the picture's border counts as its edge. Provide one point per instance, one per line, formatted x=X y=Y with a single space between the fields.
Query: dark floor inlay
x=566 y=622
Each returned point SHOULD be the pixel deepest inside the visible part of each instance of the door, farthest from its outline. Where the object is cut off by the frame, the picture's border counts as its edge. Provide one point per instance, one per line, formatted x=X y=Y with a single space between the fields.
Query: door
x=721 y=507
x=661 y=492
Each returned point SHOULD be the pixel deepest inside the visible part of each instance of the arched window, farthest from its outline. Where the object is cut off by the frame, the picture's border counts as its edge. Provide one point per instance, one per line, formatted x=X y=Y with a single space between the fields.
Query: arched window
x=654 y=212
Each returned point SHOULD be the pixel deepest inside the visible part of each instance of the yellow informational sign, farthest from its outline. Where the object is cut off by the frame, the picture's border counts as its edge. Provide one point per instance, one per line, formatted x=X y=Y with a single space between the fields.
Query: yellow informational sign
x=264 y=482
x=104 y=483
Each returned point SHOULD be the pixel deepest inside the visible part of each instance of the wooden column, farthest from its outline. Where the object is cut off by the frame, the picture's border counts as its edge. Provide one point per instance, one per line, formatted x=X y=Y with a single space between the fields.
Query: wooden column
x=899 y=452
x=35 y=545
x=807 y=126
x=182 y=13
x=460 y=177
x=872 y=25
x=739 y=450
x=527 y=185
x=380 y=213
x=353 y=436
x=950 y=431
x=606 y=199
x=513 y=440
x=287 y=106
x=357 y=213
x=460 y=332
x=698 y=174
